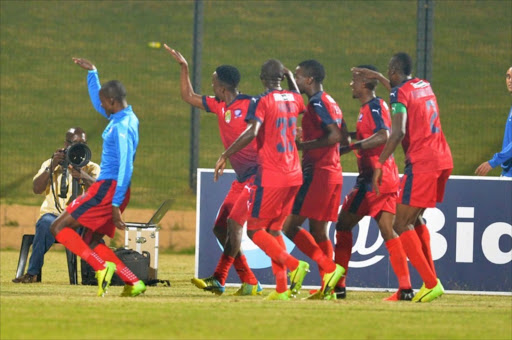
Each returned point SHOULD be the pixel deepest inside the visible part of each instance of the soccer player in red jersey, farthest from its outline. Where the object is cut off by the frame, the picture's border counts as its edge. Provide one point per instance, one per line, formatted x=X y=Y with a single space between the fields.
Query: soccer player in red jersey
x=319 y=196
x=428 y=165
x=372 y=131
x=230 y=106
x=272 y=120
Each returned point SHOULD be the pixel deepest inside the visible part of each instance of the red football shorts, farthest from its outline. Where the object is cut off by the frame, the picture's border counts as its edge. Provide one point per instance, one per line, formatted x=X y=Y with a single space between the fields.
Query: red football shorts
x=366 y=203
x=270 y=206
x=235 y=204
x=423 y=190
x=94 y=208
x=317 y=198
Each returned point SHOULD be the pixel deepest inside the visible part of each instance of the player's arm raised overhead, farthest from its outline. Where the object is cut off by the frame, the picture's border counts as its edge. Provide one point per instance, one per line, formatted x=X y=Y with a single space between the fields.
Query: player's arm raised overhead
x=292 y=85
x=187 y=91
x=370 y=74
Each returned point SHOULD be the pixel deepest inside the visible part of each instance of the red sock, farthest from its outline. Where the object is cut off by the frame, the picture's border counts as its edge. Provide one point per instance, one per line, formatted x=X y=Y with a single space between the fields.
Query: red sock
x=307 y=244
x=222 y=270
x=412 y=246
x=122 y=270
x=72 y=241
x=342 y=252
x=281 y=278
x=424 y=236
x=244 y=271
x=270 y=245
x=398 y=261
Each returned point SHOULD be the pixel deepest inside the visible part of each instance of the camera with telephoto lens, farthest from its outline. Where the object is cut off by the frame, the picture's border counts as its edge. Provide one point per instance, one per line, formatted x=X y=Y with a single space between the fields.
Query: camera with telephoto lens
x=77 y=155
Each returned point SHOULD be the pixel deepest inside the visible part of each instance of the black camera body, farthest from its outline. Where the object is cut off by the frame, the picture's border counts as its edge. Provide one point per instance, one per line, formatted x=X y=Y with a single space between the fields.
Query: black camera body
x=77 y=155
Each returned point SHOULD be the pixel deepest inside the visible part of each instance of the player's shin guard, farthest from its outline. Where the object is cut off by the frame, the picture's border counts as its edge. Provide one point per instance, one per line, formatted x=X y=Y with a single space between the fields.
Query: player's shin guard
x=342 y=252
x=424 y=236
x=412 y=247
x=398 y=261
x=72 y=241
x=122 y=270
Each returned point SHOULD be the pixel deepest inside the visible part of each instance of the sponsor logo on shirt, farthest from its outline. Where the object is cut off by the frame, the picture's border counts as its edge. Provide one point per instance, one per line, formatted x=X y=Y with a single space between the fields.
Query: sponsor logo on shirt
x=238 y=113
x=284 y=97
x=227 y=116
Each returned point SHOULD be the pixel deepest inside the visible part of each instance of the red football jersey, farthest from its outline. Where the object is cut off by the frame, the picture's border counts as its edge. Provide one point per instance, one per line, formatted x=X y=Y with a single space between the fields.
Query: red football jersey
x=374 y=116
x=322 y=110
x=424 y=144
x=278 y=158
x=231 y=119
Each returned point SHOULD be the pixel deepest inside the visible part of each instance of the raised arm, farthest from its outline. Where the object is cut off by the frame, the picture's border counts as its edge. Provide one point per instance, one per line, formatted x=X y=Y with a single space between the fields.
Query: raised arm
x=93 y=84
x=370 y=74
x=187 y=92
x=292 y=85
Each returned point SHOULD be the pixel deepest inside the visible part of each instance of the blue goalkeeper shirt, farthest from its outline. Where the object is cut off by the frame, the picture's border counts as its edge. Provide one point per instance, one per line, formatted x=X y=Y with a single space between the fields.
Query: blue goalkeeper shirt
x=504 y=157
x=120 y=140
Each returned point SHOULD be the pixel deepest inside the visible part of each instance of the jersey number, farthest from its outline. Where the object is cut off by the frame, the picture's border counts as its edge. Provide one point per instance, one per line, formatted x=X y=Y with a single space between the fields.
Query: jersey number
x=286 y=127
x=431 y=111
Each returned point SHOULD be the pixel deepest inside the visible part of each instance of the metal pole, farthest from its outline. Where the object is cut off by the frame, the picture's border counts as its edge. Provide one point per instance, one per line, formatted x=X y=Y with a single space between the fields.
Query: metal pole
x=424 y=39
x=196 y=84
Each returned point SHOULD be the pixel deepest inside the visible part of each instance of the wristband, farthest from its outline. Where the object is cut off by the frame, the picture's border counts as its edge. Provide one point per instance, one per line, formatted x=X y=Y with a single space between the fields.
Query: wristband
x=377 y=165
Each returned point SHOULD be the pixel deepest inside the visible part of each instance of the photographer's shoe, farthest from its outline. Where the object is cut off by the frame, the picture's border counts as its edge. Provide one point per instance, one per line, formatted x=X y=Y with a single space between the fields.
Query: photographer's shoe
x=27 y=278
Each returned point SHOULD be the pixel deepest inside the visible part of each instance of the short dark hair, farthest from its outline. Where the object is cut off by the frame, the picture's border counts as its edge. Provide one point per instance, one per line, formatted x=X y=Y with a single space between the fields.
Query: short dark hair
x=272 y=69
x=228 y=75
x=312 y=68
x=76 y=131
x=402 y=62
x=371 y=84
x=114 y=89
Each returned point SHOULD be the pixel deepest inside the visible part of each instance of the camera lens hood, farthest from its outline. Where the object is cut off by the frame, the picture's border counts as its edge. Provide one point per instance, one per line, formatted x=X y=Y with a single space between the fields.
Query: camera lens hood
x=78 y=155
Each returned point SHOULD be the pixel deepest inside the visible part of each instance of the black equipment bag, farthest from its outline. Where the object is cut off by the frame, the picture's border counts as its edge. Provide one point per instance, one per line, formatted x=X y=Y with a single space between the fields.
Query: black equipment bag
x=136 y=262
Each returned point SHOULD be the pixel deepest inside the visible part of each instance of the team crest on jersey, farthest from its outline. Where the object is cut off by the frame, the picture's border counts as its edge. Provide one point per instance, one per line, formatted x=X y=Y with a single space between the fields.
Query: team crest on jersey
x=238 y=113
x=227 y=116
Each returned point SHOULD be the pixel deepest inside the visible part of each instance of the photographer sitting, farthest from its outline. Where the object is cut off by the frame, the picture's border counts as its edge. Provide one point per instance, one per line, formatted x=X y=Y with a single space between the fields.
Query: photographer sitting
x=48 y=181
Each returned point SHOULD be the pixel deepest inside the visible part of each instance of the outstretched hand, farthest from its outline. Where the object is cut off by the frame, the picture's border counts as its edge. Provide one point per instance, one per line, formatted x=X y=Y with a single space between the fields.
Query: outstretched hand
x=84 y=63
x=176 y=55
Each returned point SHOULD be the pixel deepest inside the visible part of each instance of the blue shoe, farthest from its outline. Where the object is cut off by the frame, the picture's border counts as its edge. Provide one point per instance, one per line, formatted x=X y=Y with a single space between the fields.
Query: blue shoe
x=248 y=289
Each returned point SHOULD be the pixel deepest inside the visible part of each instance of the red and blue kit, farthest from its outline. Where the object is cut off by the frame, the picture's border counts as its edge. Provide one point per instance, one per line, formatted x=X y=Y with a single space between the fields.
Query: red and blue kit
x=231 y=121
x=319 y=196
x=278 y=158
x=94 y=208
x=424 y=144
x=279 y=173
x=429 y=161
x=373 y=117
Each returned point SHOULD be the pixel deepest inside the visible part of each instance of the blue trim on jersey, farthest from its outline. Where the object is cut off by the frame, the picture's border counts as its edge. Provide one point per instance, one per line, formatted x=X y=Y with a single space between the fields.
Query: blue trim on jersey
x=206 y=107
x=406 y=194
x=393 y=95
x=376 y=111
x=307 y=177
x=318 y=105
x=93 y=201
